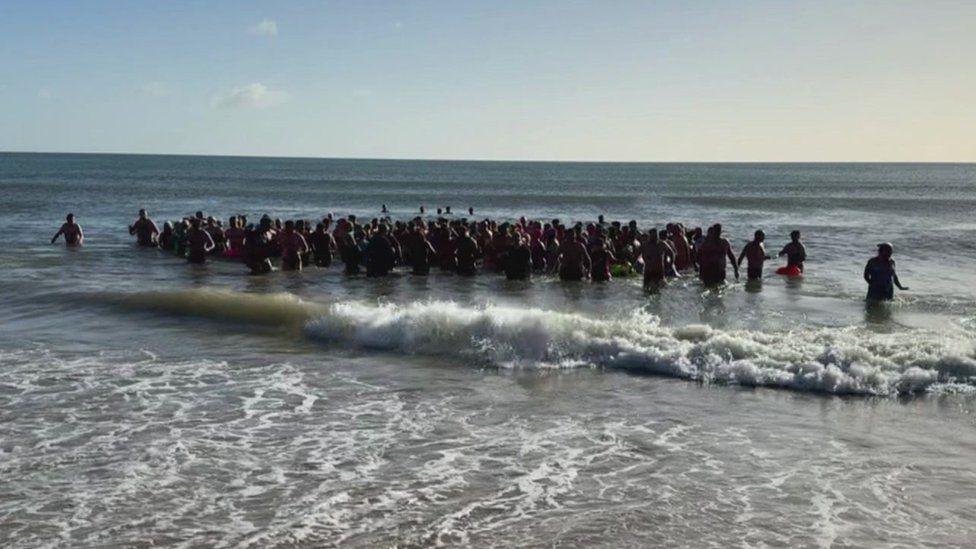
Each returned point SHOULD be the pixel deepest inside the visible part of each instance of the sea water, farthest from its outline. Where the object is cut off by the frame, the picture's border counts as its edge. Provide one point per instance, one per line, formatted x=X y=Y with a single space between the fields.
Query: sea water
x=144 y=401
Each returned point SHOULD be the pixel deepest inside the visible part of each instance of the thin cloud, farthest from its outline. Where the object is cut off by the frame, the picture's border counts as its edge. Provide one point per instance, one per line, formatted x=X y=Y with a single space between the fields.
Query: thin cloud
x=45 y=93
x=267 y=27
x=255 y=96
x=155 y=89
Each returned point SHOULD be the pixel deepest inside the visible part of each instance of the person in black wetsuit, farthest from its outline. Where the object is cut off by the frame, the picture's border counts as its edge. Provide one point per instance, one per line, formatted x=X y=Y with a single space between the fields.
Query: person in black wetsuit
x=880 y=275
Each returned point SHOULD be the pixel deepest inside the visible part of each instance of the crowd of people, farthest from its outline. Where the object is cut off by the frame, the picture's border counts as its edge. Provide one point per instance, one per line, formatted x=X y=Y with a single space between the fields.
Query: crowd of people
x=596 y=251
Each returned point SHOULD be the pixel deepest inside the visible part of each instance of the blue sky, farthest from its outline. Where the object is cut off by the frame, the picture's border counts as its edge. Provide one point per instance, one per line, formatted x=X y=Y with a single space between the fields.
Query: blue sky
x=570 y=80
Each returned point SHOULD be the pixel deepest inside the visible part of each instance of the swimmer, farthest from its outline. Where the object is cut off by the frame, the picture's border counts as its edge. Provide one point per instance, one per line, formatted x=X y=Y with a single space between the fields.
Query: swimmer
x=293 y=246
x=470 y=211
x=145 y=230
x=656 y=255
x=795 y=252
x=384 y=210
x=755 y=254
x=880 y=275
x=712 y=255
x=199 y=242
x=73 y=235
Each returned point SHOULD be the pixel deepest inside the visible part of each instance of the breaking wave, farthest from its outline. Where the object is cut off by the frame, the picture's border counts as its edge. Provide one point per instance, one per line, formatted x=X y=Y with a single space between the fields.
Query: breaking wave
x=851 y=360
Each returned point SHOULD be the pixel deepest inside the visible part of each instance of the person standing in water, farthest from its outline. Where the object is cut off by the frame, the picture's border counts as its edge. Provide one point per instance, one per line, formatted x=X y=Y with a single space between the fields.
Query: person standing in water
x=600 y=260
x=755 y=254
x=199 y=241
x=795 y=252
x=657 y=256
x=467 y=254
x=73 y=235
x=145 y=230
x=574 y=260
x=712 y=255
x=880 y=275
x=293 y=247
x=380 y=253
x=518 y=260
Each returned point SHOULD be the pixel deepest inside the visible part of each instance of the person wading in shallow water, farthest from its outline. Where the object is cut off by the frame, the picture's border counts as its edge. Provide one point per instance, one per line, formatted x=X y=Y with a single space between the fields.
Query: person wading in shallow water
x=755 y=255
x=657 y=256
x=880 y=275
x=712 y=255
x=145 y=230
x=200 y=243
x=795 y=252
x=73 y=235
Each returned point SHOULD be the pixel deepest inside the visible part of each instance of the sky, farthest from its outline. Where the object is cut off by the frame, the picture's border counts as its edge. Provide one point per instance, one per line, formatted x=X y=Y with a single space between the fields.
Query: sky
x=608 y=80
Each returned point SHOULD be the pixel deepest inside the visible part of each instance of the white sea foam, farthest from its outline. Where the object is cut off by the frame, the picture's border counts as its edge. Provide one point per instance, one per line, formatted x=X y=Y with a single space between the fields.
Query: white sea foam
x=850 y=360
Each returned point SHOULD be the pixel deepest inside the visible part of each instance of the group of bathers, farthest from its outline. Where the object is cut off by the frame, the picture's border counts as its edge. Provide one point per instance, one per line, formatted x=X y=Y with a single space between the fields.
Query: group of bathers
x=597 y=250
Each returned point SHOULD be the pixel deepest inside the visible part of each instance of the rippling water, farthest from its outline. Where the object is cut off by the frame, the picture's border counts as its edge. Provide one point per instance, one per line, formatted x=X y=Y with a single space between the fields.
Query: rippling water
x=144 y=401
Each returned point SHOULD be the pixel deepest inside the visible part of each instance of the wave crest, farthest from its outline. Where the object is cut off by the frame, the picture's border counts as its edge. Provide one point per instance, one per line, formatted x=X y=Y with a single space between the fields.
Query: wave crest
x=832 y=360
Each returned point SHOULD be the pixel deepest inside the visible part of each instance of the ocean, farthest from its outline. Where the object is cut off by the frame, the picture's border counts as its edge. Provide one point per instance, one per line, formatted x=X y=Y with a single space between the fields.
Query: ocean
x=148 y=402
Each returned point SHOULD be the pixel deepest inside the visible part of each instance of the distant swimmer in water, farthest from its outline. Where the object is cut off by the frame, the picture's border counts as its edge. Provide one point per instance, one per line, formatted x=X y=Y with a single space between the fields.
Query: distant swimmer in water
x=384 y=210
x=470 y=211
x=447 y=210
x=199 y=242
x=795 y=252
x=755 y=255
x=73 y=235
x=293 y=247
x=147 y=233
x=712 y=255
x=422 y=210
x=657 y=256
x=880 y=275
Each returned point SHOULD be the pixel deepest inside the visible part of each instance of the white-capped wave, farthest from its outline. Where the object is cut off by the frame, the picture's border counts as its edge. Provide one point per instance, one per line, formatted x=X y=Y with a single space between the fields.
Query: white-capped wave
x=849 y=360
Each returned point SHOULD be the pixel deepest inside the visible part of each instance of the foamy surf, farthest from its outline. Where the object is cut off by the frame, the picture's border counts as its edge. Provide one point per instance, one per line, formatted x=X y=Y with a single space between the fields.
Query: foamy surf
x=832 y=360
x=851 y=360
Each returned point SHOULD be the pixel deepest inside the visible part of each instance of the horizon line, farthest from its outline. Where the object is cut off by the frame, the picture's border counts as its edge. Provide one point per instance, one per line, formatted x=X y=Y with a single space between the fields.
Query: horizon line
x=486 y=160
